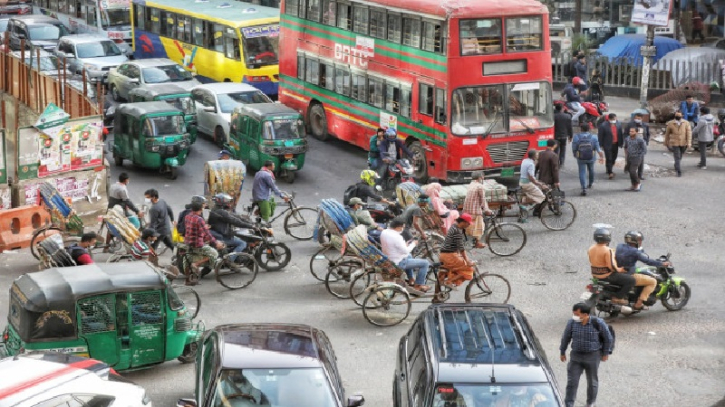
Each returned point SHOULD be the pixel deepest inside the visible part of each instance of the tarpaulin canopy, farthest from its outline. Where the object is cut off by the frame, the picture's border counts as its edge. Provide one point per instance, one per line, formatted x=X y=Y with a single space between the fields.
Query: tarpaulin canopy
x=692 y=65
x=626 y=47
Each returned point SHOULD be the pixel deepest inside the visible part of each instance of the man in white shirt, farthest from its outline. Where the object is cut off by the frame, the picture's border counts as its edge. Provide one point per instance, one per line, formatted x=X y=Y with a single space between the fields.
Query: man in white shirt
x=398 y=252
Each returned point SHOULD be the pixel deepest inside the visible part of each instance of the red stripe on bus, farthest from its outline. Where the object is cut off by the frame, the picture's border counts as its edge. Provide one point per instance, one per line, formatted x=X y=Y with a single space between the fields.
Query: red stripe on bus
x=52 y=375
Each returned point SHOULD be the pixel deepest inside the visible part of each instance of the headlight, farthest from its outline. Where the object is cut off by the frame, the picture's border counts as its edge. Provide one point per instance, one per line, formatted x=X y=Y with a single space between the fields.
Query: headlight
x=154 y=148
x=471 y=162
x=91 y=67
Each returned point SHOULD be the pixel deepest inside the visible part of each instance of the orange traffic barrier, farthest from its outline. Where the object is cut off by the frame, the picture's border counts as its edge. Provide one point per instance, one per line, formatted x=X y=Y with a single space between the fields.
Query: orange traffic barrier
x=18 y=224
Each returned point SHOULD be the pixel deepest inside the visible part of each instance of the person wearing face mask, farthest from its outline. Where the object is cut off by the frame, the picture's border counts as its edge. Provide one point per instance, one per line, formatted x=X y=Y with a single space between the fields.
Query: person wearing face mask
x=678 y=136
x=591 y=342
x=160 y=218
x=634 y=151
x=641 y=126
x=610 y=138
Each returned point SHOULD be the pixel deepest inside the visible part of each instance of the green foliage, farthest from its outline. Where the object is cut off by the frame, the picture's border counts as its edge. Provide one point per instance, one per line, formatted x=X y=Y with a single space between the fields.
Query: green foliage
x=581 y=42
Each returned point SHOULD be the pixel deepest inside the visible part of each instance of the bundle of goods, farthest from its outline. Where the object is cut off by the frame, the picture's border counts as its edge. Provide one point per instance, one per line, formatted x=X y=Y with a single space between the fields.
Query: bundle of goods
x=60 y=211
x=224 y=176
x=407 y=193
x=120 y=227
x=53 y=254
x=495 y=192
x=357 y=242
x=334 y=219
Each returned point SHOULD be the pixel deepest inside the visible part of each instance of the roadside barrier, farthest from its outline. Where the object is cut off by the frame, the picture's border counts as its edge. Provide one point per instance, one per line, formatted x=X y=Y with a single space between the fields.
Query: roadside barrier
x=17 y=226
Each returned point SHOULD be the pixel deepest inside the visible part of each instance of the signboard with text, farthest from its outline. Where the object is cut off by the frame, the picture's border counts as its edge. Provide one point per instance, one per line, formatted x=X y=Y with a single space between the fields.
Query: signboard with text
x=651 y=12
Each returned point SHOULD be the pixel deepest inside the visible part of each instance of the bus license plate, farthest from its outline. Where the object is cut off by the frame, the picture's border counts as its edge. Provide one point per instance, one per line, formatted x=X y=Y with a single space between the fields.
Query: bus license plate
x=585 y=296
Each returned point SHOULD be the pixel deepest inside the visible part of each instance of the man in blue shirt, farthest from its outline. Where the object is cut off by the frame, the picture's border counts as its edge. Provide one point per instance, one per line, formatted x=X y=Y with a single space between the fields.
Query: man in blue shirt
x=584 y=145
x=690 y=109
x=627 y=255
x=264 y=185
x=591 y=342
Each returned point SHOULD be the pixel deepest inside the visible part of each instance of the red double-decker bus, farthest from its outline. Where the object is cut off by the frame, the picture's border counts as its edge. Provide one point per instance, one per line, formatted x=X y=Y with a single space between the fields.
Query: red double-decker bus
x=467 y=84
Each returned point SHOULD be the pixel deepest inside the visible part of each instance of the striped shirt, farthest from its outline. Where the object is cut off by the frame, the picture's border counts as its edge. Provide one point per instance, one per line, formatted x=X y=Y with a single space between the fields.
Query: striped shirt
x=454 y=241
x=141 y=250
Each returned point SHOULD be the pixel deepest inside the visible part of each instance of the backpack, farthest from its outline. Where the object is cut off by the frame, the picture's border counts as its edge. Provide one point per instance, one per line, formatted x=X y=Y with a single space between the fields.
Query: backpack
x=181 y=223
x=595 y=324
x=585 y=149
x=350 y=192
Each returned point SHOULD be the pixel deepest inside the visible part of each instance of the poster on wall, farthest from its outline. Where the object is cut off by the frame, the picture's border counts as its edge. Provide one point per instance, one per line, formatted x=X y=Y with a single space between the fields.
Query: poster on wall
x=76 y=188
x=651 y=12
x=3 y=161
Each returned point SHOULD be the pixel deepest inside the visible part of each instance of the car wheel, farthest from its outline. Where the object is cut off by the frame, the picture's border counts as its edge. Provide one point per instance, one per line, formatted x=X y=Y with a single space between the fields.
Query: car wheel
x=114 y=93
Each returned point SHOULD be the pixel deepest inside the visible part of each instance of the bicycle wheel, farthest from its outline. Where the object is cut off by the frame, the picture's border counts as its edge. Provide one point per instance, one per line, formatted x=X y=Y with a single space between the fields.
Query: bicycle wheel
x=238 y=273
x=360 y=282
x=300 y=223
x=505 y=239
x=273 y=256
x=322 y=260
x=386 y=305
x=558 y=216
x=42 y=234
x=338 y=279
x=490 y=288
x=191 y=299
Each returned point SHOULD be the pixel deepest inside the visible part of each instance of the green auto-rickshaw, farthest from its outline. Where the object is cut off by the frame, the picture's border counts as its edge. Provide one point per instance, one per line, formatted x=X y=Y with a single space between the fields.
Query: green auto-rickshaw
x=126 y=316
x=269 y=131
x=172 y=94
x=151 y=135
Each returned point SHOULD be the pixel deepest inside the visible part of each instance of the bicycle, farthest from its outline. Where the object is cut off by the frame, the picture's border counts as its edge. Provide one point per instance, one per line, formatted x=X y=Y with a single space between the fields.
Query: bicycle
x=233 y=274
x=502 y=238
x=556 y=213
x=299 y=221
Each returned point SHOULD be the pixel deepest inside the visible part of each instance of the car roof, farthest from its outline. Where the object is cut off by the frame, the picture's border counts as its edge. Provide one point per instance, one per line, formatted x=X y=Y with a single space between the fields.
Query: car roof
x=36 y=18
x=484 y=338
x=259 y=346
x=162 y=89
x=265 y=109
x=84 y=38
x=151 y=62
x=139 y=109
x=230 y=11
x=226 y=87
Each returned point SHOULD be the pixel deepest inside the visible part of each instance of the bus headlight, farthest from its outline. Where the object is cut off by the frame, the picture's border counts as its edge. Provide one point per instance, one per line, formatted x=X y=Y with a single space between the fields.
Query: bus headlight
x=471 y=162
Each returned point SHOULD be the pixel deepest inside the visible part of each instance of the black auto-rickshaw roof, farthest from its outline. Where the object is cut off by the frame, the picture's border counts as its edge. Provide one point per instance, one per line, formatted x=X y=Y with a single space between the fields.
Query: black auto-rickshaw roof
x=166 y=89
x=263 y=110
x=58 y=288
x=139 y=109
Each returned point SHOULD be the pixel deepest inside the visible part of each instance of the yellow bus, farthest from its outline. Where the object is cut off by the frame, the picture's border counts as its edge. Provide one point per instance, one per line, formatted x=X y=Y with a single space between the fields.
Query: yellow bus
x=218 y=40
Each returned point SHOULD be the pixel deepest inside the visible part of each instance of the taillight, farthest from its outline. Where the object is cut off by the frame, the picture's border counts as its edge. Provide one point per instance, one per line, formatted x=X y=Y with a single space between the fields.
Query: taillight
x=248 y=78
x=5 y=337
x=118 y=41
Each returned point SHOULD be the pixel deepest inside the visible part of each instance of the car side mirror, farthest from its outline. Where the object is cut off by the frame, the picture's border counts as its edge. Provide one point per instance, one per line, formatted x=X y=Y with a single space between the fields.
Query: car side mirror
x=355 y=400
x=186 y=403
x=209 y=109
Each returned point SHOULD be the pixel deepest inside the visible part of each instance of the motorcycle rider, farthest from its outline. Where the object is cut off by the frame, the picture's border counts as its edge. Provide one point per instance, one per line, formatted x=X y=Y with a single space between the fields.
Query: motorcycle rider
x=604 y=266
x=365 y=188
x=222 y=221
x=391 y=149
x=627 y=255
x=572 y=93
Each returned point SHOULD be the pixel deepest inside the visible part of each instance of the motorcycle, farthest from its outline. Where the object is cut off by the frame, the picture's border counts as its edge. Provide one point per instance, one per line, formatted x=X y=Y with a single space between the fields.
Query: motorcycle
x=398 y=172
x=672 y=291
x=720 y=137
x=593 y=111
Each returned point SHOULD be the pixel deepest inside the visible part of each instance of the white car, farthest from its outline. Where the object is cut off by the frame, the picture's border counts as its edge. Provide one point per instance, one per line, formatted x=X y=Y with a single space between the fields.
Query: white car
x=54 y=379
x=215 y=102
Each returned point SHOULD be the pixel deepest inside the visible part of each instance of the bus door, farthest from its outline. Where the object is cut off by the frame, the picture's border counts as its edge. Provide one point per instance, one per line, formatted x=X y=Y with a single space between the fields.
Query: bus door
x=97 y=327
x=146 y=332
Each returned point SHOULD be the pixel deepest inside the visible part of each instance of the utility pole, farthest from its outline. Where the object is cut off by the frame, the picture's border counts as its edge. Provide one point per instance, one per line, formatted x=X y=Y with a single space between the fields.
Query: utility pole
x=648 y=51
x=578 y=17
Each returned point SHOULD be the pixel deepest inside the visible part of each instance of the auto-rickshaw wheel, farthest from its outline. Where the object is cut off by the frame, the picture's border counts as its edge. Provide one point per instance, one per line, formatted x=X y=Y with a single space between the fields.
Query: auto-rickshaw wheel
x=189 y=353
x=289 y=177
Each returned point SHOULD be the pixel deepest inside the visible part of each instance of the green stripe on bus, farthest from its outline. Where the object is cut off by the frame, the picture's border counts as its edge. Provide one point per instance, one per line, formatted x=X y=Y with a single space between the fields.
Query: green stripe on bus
x=404 y=51
x=373 y=114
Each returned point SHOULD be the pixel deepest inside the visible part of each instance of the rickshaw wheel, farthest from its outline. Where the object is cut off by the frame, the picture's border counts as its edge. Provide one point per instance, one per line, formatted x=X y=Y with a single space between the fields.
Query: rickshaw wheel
x=189 y=354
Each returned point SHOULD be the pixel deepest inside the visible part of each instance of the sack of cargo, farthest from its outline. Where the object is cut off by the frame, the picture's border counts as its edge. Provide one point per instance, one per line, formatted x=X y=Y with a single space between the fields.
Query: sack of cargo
x=455 y=193
x=120 y=226
x=494 y=191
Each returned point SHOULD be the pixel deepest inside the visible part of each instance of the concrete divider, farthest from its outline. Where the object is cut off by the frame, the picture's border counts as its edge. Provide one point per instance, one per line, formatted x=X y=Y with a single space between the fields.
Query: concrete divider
x=18 y=224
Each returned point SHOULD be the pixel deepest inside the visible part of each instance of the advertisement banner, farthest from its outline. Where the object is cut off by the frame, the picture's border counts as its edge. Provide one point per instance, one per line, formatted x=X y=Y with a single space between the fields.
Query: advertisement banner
x=3 y=161
x=651 y=12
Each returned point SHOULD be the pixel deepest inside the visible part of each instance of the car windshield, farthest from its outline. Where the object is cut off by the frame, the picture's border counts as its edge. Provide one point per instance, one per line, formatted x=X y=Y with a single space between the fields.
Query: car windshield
x=166 y=73
x=481 y=110
x=49 y=63
x=3 y=25
x=273 y=388
x=163 y=126
x=283 y=129
x=97 y=49
x=494 y=395
x=261 y=45
x=46 y=32
x=228 y=101
x=115 y=17
x=183 y=103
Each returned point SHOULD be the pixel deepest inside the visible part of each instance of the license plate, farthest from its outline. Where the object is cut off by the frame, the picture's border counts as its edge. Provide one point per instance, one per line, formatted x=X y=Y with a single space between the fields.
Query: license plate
x=585 y=296
x=289 y=156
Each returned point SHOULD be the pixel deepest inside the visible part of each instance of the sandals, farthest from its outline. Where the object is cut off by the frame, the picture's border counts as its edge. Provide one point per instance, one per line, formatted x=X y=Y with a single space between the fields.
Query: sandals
x=193 y=277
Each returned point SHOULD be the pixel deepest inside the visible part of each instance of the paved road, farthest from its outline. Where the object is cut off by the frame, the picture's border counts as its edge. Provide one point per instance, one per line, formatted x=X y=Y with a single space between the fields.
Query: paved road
x=662 y=358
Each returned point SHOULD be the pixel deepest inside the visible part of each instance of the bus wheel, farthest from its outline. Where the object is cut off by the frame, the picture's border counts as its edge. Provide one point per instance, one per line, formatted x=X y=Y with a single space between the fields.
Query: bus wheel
x=421 y=164
x=318 y=122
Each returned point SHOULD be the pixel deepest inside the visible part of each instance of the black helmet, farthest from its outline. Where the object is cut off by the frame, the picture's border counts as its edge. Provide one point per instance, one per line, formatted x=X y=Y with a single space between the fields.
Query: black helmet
x=198 y=199
x=222 y=200
x=634 y=238
x=602 y=235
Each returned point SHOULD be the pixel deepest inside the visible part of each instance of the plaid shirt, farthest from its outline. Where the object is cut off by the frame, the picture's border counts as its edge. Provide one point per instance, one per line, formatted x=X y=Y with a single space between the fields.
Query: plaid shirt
x=475 y=202
x=196 y=233
x=585 y=337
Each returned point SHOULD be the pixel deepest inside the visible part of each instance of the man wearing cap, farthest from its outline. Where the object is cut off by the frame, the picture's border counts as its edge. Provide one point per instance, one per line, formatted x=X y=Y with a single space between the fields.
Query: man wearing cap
x=475 y=204
x=225 y=155
x=453 y=254
x=362 y=216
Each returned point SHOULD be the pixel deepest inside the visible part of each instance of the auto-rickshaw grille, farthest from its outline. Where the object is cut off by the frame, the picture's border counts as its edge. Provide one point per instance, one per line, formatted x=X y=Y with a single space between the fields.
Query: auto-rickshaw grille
x=146 y=308
x=97 y=314
x=182 y=324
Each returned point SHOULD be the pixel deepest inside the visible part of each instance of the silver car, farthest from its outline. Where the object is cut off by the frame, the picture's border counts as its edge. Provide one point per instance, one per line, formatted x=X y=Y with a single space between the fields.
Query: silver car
x=95 y=54
x=215 y=103
x=147 y=73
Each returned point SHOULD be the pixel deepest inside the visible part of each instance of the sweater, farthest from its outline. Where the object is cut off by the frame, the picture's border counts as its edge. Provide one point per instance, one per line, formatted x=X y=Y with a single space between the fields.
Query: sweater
x=678 y=135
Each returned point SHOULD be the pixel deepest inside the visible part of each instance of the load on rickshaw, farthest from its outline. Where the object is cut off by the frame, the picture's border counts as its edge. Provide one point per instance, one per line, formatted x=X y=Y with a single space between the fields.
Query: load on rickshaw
x=127 y=317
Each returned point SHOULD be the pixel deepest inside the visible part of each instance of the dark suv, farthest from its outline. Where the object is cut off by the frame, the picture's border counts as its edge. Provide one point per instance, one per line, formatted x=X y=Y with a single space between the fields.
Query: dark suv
x=36 y=30
x=458 y=355
x=267 y=365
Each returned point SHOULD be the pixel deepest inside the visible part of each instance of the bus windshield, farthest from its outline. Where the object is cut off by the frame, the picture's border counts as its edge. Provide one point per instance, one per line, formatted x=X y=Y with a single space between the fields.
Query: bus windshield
x=283 y=129
x=482 y=109
x=163 y=126
x=261 y=45
x=166 y=73
x=97 y=49
x=115 y=17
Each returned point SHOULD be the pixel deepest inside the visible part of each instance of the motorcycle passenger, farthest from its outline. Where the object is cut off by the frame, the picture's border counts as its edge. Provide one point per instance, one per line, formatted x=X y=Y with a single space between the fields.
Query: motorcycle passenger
x=79 y=251
x=604 y=266
x=573 y=98
x=198 y=238
x=627 y=255
x=391 y=149
x=362 y=216
x=180 y=225
x=374 y=153
x=412 y=216
x=222 y=222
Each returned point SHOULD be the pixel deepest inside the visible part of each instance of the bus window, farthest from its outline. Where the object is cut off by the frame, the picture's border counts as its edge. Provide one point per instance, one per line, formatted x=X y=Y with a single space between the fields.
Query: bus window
x=411 y=32
x=377 y=23
x=394 y=27
x=440 y=107
x=406 y=97
x=313 y=10
x=329 y=8
x=480 y=37
x=168 y=24
x=375 y=92
x=425 y=99
x=360 y=19
x=91 y=17
x=291 y=7
x=139 y=19
x=432 y=37
x=477 y=110
x=531 y=102
x=312 y=72
x=155 y=16
x=523 y=34
x=185 y=29
x=301 y=66
x=344 y=16
x=358 y=87
x=231 y=44
x=342 y=80
x=327 y=76
x=197 y=32
x=392 y=97
x=218 y=38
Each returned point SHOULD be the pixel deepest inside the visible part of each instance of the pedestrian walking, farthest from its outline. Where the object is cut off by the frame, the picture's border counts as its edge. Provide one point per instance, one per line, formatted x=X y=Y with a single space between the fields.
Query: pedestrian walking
x=704 y=132
x=475 y=204
x=591 y=342
x=581 y=68
x=642 y=127
x=547 y=166
x=690 y=109
x=160 y=219
x=610 y=137
x=584 y=146
x=634 y=151
x=563 y=132
x=678 y=136
x=570 y=67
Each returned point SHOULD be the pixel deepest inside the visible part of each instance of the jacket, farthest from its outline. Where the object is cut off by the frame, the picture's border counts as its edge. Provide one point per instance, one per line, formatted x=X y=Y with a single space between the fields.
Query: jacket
x=562 y=126
x=642 y=130
x=374 y=152
x=159 y=216
x=581 y=70
x=690 y=113
x=222 y=220
x=400 y=147
x=605 y=134
x=678 y=135
x=705 y=129
x=548 y=167
x=571 y=94
x=595 y=145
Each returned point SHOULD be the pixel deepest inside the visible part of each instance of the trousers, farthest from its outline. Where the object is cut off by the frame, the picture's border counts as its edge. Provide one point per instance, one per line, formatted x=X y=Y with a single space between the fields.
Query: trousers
x=584 y=167
x=579 y=363
x=625 y=281
x=610 y=155
x=677 y=152
x=561 y=150
x=702 y=146
x=409 y=264
x=633 y=164
x=648 y=283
